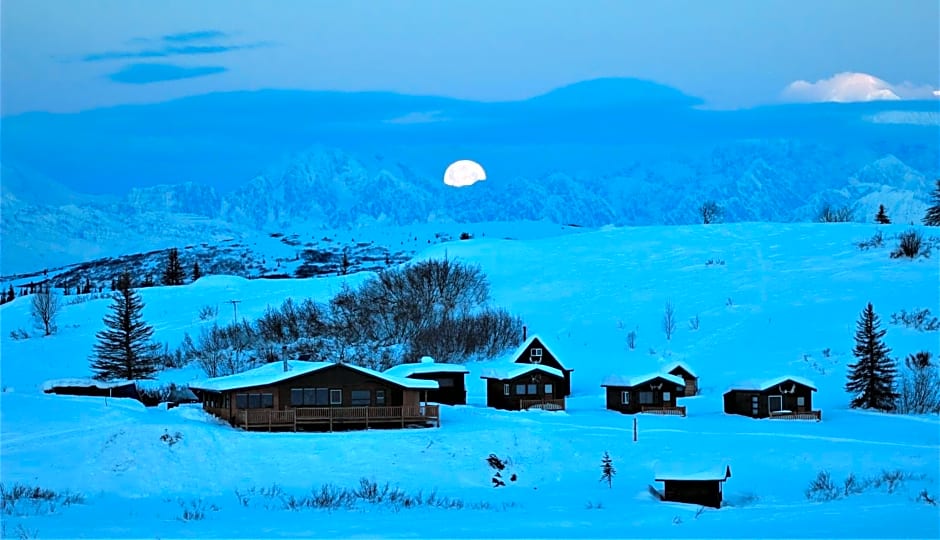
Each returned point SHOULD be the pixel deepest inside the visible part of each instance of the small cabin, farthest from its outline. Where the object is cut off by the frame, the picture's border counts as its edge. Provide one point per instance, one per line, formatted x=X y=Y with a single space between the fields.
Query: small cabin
x=701 y=488
x=92 y=387
x=652 y=393
x=784 y=397
x=522 y=387
x=450 y=378
x=534 y=351
x=317 y=395
x=680 y=369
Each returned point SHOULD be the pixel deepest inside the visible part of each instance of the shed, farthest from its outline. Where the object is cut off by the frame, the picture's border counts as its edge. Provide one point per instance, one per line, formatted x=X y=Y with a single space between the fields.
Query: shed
x=517 y=387
x=653 y=393
x=92 y=387
x=450 y=378
x=681 y=369
x=785 y=397
x=700 y=487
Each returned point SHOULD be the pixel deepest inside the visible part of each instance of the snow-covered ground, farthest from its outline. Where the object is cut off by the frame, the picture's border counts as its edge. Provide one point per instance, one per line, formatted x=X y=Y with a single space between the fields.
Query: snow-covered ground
x=783 y=295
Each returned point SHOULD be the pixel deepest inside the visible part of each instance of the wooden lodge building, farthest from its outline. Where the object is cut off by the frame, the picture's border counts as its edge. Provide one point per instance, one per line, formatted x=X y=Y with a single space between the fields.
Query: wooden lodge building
x=534 y=351
x=653 y=393
x=317 y=395
x=787 y=397
x=680 y=369
x=702 y=488
x=518 y=387
x=451 y=379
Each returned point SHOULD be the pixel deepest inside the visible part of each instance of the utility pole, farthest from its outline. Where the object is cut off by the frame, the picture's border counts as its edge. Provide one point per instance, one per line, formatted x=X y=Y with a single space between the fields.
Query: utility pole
x=235 y=308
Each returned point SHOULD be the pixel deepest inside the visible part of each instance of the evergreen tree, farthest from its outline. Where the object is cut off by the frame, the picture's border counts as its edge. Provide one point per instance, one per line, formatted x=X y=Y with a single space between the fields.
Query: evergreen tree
x=871 y=379
x=197 y=272
x=11 y=294
x=932 y=217
x=3 y=296
x=148 y=281
x=607 y=470
x=173 y=273
x=882 y=217
x=345 y=263
x=124 y=349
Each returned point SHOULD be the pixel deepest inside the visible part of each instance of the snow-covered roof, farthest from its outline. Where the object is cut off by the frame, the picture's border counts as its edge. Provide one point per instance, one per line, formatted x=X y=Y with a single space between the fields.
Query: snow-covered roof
x=512 y=371
x=682 y=365
x=528 y=343
x=407 y=370
x=687 y=473
x=82 y=383
x=780 y=380
x=274 y=373
x=619 y=380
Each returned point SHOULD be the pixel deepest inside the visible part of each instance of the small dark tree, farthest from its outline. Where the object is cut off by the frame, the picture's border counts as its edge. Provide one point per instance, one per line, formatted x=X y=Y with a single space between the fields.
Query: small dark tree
x=11 y=294
x=345 y=263
x=710 y=212
x=45 y=308
x=669 y=320
x=197 y=272
x=932 y=216
x=607 y=470
x=871 y=379
x=124 y=349
x=882 y=217
x=173 y=273
x=148 y=281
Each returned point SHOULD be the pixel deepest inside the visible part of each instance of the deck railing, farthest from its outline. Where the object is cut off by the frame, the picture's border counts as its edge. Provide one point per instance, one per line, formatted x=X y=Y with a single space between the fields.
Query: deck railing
x=330 y=416
x=547 y=404
x=680 y=410
x=804 y=415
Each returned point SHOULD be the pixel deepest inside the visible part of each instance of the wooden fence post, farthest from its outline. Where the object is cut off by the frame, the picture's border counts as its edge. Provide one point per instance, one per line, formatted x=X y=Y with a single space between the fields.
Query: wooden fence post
x=634 y=429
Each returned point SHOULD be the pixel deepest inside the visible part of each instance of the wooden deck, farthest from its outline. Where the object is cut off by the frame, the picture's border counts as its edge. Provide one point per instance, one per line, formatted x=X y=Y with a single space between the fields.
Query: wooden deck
x=806 y=415
x=679 y=411
x=544 y=404
x=330 y=417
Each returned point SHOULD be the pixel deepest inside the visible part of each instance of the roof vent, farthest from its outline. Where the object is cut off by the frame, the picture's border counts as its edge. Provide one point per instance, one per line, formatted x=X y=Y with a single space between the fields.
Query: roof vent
x=426 y=360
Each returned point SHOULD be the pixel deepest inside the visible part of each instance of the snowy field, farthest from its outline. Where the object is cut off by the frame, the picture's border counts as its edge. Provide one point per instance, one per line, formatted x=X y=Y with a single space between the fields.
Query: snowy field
x=783 y=295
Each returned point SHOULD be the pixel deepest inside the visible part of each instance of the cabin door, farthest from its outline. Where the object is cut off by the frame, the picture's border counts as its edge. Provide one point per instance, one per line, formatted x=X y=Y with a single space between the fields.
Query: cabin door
x=774 y=404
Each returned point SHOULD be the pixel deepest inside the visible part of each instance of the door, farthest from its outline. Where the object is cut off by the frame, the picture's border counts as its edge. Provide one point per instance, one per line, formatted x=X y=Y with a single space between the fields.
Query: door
x=774 y=404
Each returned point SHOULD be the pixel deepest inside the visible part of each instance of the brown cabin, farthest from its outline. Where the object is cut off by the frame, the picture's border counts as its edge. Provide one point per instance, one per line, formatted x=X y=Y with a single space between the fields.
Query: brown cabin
x=653 y=393
x=682 y=370
x=785 y=397
x=317 y=395
x=519 y=388
x=704 y=488
x=450 y=378
x=534 y=351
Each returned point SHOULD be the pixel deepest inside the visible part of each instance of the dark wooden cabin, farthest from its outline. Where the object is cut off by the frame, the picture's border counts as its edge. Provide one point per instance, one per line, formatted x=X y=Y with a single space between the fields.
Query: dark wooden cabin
x=92 y=387
x=522 y=387
x=682 y=370
x=451 y=379
x=534 y=351
x=784 y=398
x=653 y=393
x=704 y=488
x=317 y=395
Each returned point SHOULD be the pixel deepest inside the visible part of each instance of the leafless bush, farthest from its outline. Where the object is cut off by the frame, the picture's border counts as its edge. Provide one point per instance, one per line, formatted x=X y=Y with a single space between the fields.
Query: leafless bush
x=631 y=339
x=717 y=261
x=829 y=214
x=669 y=320
x=195 y=509
x=19 y=334
x=852 y=486
x=822 y=488
x=694 y=323
x=485 y=334
x=208 y=312
x=710 y=212
x=909 y=245
x=45 y=308
x=923 y=496
x=917 y=319
x=876 y=241
x=919 y=388
x=224 y=350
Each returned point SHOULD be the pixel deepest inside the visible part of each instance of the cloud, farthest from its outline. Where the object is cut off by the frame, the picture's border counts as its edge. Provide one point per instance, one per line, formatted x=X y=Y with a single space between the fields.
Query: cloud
x=151 y=73
x=850 y=87
x=165 y=52
x=199 y=35
x=417 y=118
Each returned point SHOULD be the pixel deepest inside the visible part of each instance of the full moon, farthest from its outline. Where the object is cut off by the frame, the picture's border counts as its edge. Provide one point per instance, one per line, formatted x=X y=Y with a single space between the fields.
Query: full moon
x=464 y=173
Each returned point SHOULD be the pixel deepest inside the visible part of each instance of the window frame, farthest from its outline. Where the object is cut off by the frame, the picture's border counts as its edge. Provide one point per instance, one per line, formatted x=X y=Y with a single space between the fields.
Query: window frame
x=333 y=400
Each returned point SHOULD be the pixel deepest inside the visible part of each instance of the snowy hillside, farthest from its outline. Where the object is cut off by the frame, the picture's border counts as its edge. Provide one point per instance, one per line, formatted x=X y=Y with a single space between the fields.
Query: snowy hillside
x=772 y=300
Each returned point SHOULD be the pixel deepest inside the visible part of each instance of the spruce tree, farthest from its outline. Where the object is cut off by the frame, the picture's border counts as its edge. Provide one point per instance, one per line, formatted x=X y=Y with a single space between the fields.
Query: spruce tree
x=197 y=272
x=173 y=273
x=124 y=349
x=11 y=294
x=871 y=379
x=882 y=217
x=932 y=217
x=607 y=470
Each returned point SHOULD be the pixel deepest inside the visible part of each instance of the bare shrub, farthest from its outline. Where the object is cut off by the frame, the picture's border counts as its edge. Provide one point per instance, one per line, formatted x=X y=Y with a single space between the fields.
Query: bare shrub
x=208 y=312
x=44 y=307
x=631 y=339
x=876 y=241
x=195 y=509
x=919 y=388
x=669 y=320
x=830 y=214
x=909 y=245
x=925 y=497
x=916 y=319
x=694 y=323
x=822 y=488
x=710 y=212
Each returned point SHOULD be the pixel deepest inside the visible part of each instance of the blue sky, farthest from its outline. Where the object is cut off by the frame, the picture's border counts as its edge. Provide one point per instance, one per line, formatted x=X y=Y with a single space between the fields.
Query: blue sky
x=67 y=55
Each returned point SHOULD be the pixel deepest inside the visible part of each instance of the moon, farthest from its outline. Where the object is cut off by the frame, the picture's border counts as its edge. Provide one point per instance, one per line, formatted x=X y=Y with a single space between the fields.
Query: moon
x=464 y=173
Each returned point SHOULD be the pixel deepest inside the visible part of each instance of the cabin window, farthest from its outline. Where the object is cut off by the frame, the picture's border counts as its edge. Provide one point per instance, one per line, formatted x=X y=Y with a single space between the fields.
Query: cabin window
x=361 y=397
x=336 y=396
x=380 y=397
x=254 y=401
x=520 y=389
x=549 y=388
x=505 y=389
x=241 y=401
x=755 y=405
x=226 y=401
x=646 y=398
x=535 y=355
x=300 y=397
x=667 y=396
x=625 y=398
x=800 y=401
x=446 y=382
x=532 y=389
x=536 y=351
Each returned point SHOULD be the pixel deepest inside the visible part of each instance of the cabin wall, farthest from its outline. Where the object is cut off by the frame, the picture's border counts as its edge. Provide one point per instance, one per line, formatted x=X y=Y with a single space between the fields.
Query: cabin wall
x=548 y=359
x=615 y=397
x=740 y=401
x=496 y=398
x=448 y=395
x=702 y=492
x=345 y=379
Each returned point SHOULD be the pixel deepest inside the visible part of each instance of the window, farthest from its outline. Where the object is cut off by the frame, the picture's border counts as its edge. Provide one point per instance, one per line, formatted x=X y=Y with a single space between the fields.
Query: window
x=755 y=406
x=254 y=401
x=520 y=389
x=336 y=396
x=505 y=389
x=532 y=389
x=535 y=355
x=267 y=401
x=625 y=397
x=646 y=398
x=800 y=401
x=549 y=388
x=361 y=397
x=380 y=397
x=226 y=401
x=774 y=403
x=535 y=351
x=241 y=401
x=309 y=397
x=446 y=382
x=667 y=396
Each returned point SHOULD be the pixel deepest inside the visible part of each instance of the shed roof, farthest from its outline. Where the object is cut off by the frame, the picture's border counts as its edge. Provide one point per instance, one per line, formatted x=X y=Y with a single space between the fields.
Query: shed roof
x=84 y=383
x=618 y=380
x=755 y=385
x=680 y=365
x=274 y=373
x=511 y=371
x=694 y=474
x=407 y=370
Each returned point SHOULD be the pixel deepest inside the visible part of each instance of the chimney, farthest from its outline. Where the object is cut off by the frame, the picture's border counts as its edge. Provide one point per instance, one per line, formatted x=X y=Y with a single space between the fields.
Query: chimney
x=284 y=356
x=525 y=332
x=727 y=471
